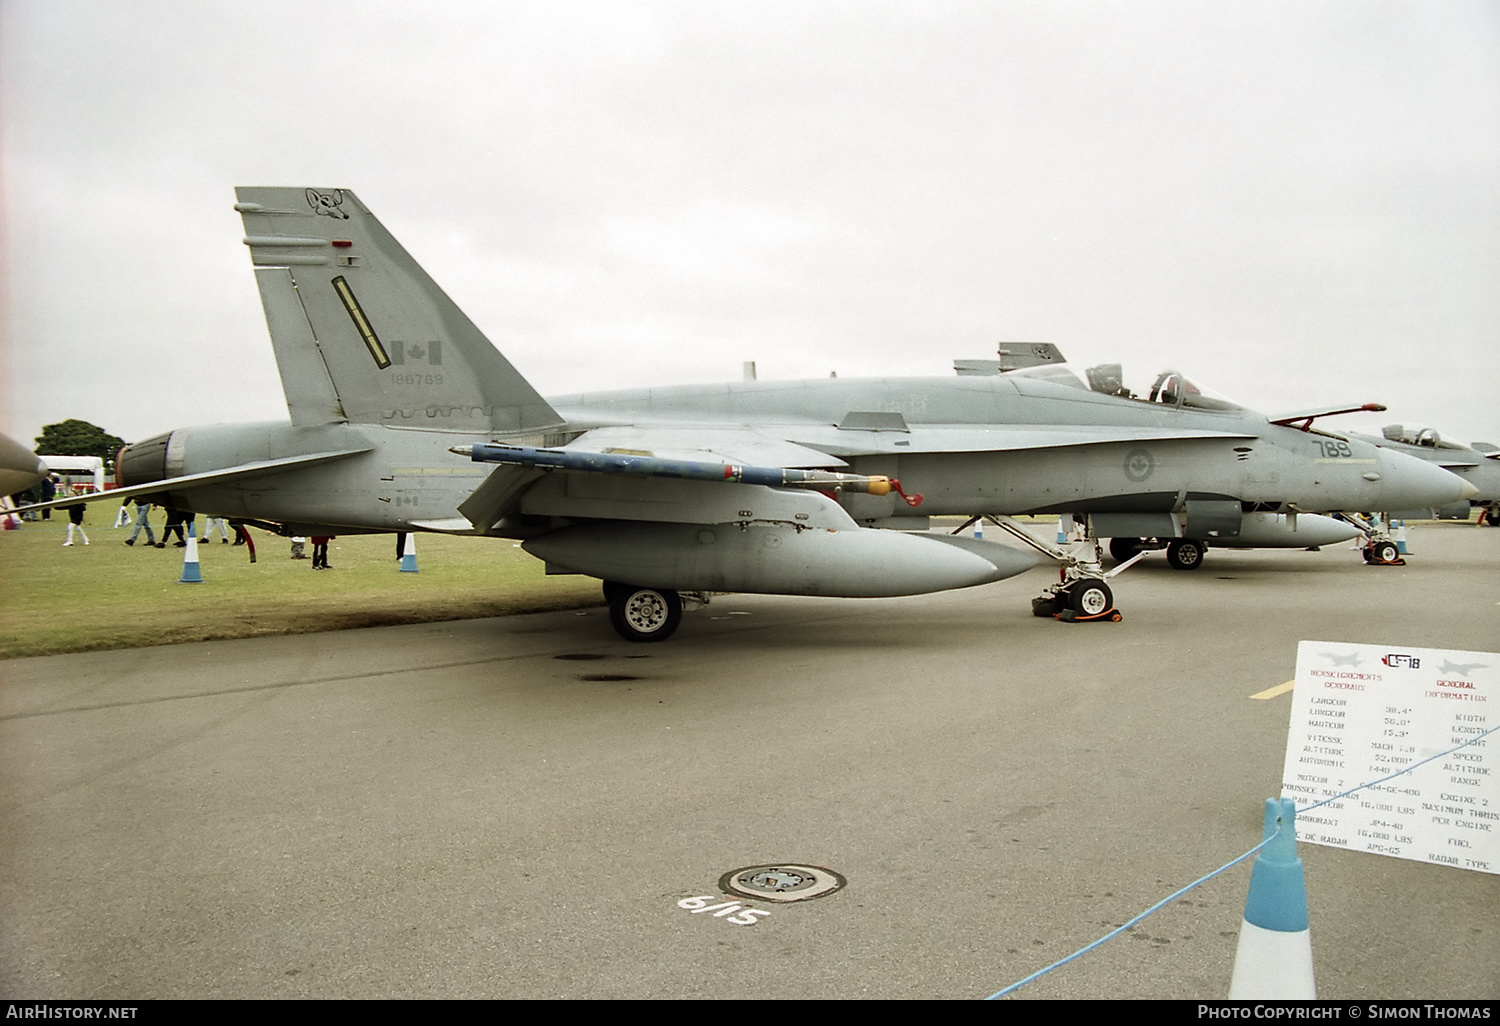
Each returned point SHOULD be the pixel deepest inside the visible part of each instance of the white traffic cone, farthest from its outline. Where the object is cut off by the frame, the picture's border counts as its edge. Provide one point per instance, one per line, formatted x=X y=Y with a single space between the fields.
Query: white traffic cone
x=190 y=574
x=1064 y=528
x=1274 y=958
x=409 y=553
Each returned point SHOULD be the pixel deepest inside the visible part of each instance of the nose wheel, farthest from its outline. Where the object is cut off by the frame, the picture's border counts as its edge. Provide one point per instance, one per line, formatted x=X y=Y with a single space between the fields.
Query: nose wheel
x=1081 y=594
x=1378 y=548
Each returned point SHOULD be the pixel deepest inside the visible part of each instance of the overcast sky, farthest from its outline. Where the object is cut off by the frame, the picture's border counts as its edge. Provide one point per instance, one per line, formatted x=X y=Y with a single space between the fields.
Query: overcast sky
x=1298 y=203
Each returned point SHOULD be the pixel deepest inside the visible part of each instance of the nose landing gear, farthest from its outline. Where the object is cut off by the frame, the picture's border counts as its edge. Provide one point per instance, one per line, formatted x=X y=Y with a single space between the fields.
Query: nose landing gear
x=1081 y=594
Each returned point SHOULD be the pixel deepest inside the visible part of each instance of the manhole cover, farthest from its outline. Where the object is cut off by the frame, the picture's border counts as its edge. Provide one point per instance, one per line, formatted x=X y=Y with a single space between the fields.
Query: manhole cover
x=784 y=882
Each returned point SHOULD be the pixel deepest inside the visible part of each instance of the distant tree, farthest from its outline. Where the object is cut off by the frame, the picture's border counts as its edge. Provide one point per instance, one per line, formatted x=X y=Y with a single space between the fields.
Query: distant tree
x=78 y=438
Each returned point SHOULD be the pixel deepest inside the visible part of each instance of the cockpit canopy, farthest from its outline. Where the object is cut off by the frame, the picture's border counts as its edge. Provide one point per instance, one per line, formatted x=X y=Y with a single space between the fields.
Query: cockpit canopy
x=1169 y=388
x=1425 y=437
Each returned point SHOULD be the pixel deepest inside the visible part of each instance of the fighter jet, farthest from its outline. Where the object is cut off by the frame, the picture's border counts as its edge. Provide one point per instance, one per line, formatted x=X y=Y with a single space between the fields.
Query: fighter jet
x=1479 y=464
x=405 y=418
x=1257 y=528
x=1462 y=669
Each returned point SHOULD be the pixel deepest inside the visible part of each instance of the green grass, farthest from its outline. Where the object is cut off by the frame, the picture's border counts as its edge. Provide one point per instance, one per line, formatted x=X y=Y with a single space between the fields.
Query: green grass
x=108 y=595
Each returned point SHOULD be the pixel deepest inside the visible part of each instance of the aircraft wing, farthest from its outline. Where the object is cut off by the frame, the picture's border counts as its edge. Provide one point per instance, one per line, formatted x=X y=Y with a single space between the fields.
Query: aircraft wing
x=738 y=445
x=172 y=484
x=678 y=473
x=501 y=494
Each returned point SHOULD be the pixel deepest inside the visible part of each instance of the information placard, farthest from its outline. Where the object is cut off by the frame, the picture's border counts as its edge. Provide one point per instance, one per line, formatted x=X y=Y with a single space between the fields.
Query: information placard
x=1363 y=712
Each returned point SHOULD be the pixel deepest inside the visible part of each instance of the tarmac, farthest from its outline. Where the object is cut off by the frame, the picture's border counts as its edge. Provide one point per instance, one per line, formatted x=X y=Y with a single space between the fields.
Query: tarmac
x=515 y=807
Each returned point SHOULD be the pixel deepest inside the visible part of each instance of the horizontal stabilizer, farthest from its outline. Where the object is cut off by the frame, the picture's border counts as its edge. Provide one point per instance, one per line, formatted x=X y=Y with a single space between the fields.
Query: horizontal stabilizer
x=499 y=496
x=172 y=484
x=452 y=525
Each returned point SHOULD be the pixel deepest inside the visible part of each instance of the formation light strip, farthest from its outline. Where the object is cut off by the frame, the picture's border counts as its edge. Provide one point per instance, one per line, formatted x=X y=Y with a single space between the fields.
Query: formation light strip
x=361 y=323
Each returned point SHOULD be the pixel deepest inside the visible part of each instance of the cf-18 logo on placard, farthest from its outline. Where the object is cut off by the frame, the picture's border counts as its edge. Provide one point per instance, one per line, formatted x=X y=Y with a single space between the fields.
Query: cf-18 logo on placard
x=1397 y=662
x=327 y=203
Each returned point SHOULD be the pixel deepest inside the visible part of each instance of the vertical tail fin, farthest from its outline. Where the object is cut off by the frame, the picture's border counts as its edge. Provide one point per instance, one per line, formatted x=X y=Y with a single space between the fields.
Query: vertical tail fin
x=362 y=334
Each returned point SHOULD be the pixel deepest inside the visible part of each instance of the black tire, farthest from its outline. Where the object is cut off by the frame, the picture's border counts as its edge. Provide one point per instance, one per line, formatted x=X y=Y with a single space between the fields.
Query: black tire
x=1384 y=552
x=1045 y=605
x=1124 y=548
x=1185 y=553
x=1089 y=598
x=1492 y=517
x=644 y=614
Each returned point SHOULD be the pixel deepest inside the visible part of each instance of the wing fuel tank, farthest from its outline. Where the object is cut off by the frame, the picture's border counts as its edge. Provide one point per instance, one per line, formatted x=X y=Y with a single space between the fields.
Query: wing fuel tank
x=776 y=559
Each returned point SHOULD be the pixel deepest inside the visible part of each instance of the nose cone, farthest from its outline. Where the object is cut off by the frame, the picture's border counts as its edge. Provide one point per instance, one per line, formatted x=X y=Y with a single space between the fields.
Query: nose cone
x=1408 y=483
x=20 y=468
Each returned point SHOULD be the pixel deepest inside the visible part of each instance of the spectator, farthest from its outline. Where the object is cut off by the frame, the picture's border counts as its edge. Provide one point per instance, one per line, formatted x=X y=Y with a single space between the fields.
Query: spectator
x=174 y=523
x=75 y=522
x=143 y=519
x=320 y=552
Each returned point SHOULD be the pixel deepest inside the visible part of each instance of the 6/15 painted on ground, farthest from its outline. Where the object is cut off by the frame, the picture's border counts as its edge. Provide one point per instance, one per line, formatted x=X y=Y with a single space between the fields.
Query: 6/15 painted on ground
x=746 y=916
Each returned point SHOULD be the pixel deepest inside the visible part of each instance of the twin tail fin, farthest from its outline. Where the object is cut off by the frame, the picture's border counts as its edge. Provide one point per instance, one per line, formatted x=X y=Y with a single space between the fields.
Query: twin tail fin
x=362 y=335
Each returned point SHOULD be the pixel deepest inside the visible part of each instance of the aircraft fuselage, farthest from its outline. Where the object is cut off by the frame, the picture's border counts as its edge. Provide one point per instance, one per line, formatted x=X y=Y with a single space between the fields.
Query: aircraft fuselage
x=409 y=478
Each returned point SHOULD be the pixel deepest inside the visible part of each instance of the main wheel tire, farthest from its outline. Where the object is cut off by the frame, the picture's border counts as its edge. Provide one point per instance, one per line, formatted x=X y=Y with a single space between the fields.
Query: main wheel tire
x=1090 y=597
x=644 y=614
x=1185 y=553
x=1492 y=517
x=1124 y=548
x=1384 y=552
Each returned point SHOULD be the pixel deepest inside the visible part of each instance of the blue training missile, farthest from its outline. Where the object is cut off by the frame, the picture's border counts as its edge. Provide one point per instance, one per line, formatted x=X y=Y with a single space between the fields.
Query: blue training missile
x=693 y=470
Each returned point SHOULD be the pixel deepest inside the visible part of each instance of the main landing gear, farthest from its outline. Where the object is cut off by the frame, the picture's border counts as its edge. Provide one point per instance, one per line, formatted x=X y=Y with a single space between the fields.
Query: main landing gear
x=1082 y=593
x=1182 y=553
x=1185 y=553
x=643 y=614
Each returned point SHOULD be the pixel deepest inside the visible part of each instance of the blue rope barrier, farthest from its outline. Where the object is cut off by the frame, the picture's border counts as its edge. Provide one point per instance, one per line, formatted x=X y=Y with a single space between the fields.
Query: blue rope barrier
x=1233 y=862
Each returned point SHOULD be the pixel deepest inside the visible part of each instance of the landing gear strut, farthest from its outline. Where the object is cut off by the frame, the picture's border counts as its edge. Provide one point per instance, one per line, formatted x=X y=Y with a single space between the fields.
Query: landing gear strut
x=1081 y=594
